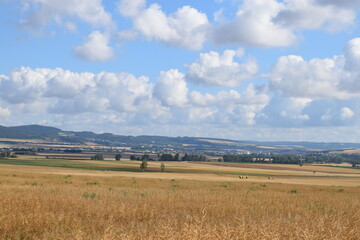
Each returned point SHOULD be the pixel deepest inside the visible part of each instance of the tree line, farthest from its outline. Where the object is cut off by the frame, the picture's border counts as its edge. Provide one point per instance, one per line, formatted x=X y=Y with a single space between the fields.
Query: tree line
x=7 y=154
x=167 y=157
x=255 y=158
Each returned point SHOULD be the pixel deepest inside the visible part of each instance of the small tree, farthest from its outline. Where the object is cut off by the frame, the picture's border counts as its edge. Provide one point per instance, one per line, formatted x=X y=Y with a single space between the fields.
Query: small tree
x=162 y=167
x=98 y=156
x=117 y=157
x=132 y=157
x=143 y=165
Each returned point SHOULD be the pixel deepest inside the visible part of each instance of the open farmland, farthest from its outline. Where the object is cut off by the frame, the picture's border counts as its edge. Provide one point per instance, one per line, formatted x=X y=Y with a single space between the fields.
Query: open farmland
x=86 y=206
x=210 y=171
x=44 y=198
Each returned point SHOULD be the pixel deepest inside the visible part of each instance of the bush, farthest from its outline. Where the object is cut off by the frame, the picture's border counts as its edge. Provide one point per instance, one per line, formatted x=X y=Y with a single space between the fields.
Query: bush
x=117 y=157
x=98 y=156
x=143 y=165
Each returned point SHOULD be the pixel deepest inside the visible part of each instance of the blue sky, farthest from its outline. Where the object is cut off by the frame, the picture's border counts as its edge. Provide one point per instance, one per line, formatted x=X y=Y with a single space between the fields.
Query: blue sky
x=252 y=69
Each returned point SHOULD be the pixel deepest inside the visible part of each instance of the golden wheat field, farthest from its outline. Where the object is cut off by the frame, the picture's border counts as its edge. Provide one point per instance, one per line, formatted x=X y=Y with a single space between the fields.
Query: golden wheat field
x=37 y=203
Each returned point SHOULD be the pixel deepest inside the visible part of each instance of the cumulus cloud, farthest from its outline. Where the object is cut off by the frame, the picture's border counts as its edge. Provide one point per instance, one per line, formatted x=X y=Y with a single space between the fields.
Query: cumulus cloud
x=54 y=95
x=113 y=100
x=346 y=113
x=253 y=25
x=5 y=112
x=201 y=115
x=215 y=69
x=317 y=78
x=309 y=15
x=171 y=88
x=125 y=99
x=274 y=23
x=187 y=27
x=285 y=111
x=251 y=95
x=68 y=92
x=131 y=8
x=23 y=85
x=330 y=112
x=342 y=3
x=234 y=107
x=126 y=35
x=43 y=12
x=95 y=48
x=335 y=77
x=352 y=55
x=219 y=16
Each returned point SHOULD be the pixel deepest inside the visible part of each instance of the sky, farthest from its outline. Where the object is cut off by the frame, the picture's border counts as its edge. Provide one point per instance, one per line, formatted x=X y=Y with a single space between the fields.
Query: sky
x=267 y=70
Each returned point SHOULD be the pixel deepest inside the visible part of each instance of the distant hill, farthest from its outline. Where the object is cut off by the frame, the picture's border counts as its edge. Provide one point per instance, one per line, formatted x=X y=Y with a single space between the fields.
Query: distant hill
x=160 y=142
x=28 y=132
x=37 y=130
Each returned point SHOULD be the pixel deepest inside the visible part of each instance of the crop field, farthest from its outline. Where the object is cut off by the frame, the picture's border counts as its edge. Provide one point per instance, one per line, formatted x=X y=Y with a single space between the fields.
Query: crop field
x=44 y=198
x=211 y=171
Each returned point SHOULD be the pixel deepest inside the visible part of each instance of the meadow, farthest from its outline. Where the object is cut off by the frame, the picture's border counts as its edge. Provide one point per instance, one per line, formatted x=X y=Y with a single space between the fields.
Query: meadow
x=70 y=199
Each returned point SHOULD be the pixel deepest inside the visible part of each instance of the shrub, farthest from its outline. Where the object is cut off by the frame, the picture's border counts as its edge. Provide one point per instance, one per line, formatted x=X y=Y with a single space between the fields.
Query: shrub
x=143 y=165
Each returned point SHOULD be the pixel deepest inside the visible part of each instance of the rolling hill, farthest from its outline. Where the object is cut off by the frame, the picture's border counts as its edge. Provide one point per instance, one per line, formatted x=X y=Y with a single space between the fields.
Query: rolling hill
x=154 y=142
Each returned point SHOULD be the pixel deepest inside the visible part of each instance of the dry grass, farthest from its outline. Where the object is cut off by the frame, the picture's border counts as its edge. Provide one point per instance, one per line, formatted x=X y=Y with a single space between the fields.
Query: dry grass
x=48 y=206
x=204 y=171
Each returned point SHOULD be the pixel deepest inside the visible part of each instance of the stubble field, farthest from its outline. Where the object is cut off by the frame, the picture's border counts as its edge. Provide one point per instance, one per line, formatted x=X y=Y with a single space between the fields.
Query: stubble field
x=54 y=202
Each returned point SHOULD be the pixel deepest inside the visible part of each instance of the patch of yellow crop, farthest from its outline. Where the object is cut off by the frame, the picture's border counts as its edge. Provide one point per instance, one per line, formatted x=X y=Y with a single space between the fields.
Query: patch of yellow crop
x=49 y=203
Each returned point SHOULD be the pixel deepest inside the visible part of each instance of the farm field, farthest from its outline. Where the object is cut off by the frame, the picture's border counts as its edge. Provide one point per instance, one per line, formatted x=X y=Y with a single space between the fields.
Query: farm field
x=81 y=199
x=210 y=171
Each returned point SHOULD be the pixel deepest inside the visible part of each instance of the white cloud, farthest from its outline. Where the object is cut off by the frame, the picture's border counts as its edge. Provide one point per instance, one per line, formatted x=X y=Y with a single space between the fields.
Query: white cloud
x=131 y=8
x=114 y=99
x=124 y=91
x=342 y=3
x=70 y=26
x=215 y=69
x=201 y=115
x=275 y=23
x=233 y=107
x=96 y=48
x=346 y=113
x=23 y=85
x=126 y=35
x=251 y=96
x=187 y=27
x=43 y=12
x=253 y=25
x=219 y=16
x=121 y=98
x=171 y=88
x=352 y=55
x=335 y=77
x=317 y=78
x=63 y=83
x=5 y=113
x=84 y=101
x=306 y=14
x=285 y=111
x=61 y=91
